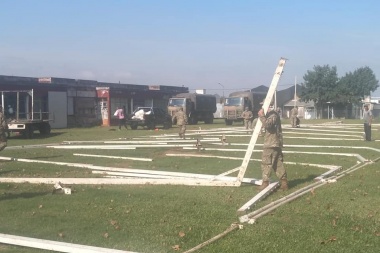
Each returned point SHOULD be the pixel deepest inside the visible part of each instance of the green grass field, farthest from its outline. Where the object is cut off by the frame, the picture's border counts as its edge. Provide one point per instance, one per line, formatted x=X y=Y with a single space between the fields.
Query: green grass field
x=338 y=217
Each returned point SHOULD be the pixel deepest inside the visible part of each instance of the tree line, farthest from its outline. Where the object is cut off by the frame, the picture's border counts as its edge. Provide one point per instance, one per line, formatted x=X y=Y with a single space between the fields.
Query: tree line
x=323 y=86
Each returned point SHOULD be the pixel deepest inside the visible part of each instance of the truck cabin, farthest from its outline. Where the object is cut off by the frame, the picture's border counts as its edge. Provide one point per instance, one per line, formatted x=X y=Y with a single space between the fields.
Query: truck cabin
x=238 y=101
x=178 y=102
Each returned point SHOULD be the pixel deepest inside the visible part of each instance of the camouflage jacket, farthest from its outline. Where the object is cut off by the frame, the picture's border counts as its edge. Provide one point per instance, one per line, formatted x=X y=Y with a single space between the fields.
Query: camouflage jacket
x=181 y=118
x=3 y=123
x=273 y=134
x=294 y=112
x=247 y=115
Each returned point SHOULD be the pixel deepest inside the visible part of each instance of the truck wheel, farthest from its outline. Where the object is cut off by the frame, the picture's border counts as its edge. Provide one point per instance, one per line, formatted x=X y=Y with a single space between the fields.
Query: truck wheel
x=45 y=128
x=228 y=122
x=167 y=125
x=193 y=121
x=151 y=125
x=28 y=133
x=133 y=126
x=209 y=121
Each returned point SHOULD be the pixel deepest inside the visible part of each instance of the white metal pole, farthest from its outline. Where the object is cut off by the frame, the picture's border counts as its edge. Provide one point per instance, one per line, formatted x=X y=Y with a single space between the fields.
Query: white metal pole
x=2 y=100
x=18 y=106
x=328 y=111
x=295 y=91
x=32 y=104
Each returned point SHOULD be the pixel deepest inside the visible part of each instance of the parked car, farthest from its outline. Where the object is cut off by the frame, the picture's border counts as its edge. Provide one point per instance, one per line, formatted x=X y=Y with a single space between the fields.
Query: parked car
x=150 y=117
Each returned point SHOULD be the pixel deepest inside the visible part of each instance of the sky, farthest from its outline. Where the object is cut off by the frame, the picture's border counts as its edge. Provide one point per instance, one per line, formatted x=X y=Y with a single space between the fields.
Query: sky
x=217 y=45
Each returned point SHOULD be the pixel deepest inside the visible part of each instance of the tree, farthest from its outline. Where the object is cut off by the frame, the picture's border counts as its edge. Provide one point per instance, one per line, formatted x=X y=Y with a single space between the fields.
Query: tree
x=320 y=86
x=353 y=87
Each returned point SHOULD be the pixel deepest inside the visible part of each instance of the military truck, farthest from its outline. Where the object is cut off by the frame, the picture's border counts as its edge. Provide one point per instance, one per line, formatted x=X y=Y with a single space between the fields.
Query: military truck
x=235 y=104
x=198 y=107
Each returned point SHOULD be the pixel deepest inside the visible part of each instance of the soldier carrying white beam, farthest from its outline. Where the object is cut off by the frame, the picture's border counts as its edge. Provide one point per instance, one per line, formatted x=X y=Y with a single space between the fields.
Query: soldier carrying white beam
x=272 y=157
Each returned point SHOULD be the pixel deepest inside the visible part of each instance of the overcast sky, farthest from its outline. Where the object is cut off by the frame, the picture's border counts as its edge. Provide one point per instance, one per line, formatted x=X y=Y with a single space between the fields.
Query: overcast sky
x=217 y=45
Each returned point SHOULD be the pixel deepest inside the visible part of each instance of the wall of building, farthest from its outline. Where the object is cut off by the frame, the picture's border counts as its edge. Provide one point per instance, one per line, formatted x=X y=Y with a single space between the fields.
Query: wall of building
x=89 y=102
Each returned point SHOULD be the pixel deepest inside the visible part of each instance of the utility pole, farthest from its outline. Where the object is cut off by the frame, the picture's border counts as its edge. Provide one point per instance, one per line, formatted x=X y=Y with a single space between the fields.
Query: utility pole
x=295 y=92
x=223 y=88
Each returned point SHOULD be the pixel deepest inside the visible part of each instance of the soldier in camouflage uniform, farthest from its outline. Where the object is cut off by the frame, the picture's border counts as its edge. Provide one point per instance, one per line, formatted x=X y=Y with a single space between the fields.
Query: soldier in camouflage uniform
x=181 y=119
x=293 y=116
x=272 y=157
x=3 y=129
x=248 y=117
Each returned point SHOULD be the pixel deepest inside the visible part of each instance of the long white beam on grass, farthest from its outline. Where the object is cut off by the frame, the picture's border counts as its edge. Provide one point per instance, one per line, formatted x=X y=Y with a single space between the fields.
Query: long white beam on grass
x=134 y=175
x=329 y=167
x=120 y=181
x=326 y=138
x=159 y=141
x=359 y=157
x=328 y=173
x=54 y=245
x=188 y=176
x=308 y=146
x=322 y=130
x=321 y=134
x=119 y=146
x=117 y=157
x=359 y=138
x=92 y=147
x=262 y=194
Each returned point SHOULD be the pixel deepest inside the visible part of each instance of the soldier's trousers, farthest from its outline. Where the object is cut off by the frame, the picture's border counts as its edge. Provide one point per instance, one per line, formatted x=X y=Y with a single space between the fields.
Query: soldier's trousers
x=272 y=159
x=293 y=121
x=247 y=124
x=182 y=130
x=3 y=141
x=367 y=131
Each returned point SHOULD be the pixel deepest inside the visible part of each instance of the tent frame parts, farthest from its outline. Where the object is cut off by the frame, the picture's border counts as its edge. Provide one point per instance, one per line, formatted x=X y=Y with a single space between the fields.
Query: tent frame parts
x=54 y=245
x=249 y=218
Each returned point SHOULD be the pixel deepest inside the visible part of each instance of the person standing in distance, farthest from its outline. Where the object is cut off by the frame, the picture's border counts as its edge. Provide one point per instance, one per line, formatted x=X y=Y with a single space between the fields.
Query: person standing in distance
x=248 y=117
x=119 y=113
x=293 y=116
x=367 y=118
x=181 y=119
x=3 y=130
x=272 y=156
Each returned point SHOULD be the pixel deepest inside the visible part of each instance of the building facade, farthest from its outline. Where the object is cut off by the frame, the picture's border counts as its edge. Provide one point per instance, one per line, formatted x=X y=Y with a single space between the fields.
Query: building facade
x=78 y=103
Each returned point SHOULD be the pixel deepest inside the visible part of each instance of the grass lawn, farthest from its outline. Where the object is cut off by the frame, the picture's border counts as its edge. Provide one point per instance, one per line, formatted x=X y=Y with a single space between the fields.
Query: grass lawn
x=338 y=217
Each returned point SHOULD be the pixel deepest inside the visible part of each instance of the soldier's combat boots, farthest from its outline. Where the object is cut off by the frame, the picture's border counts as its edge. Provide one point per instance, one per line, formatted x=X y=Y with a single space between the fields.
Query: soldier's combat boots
x=263 y=185
x=284 y=184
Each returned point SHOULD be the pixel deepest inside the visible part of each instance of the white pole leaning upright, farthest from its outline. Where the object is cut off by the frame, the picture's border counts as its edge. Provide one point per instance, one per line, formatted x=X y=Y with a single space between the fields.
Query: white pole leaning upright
x=255 y=134
x=295 y=91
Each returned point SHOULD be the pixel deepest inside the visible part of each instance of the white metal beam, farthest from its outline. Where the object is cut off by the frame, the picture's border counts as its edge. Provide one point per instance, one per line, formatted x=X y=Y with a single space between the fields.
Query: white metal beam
x=54 y=245
x=120 y=181
x=262 y=194
x=117 y=157
x=255 y=134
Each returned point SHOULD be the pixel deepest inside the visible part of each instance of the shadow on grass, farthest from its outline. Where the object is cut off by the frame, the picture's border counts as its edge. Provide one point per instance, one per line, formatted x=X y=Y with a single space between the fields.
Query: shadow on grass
x=26 y=195
x=300 y=181
x=36 y=136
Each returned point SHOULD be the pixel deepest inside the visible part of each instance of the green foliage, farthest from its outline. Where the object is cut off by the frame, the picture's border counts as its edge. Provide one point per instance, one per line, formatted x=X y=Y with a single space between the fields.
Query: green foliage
x=355 y=85
x=322 y=86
